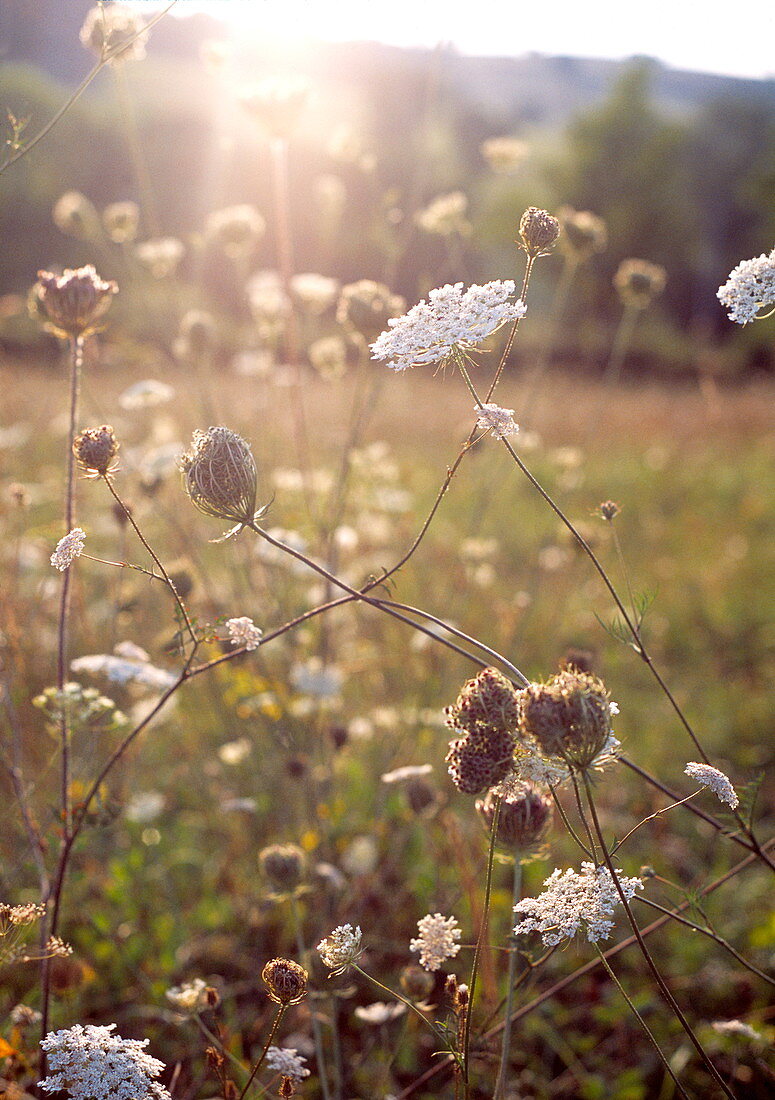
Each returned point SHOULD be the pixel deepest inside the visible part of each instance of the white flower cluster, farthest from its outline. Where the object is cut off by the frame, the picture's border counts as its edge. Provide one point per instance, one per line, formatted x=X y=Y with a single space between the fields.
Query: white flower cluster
x=129 y=664
x=437 y=941
x=719 y=783
x=750 y=288
x=190 y=998
x=93 y=1064
x=571 y=902
x=341 y=947
x=451 y=318
x=500 y=421
x=287 y=1061
x=68 y=549
x=243 y=631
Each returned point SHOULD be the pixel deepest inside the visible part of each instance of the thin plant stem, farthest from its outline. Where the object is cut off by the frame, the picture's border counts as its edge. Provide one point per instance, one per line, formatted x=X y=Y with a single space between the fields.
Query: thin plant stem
x=503 y=1069
x=148 y=200
x=316 y=1032
x=280 y=1013
x=168 y=581
x=583 y=817
x=559 y=301
x=658 y=813
x=213 y=1038
x=410 y=1005
x=621 y=343
x=480 y=940
x=663 y=987
x=640 y=1020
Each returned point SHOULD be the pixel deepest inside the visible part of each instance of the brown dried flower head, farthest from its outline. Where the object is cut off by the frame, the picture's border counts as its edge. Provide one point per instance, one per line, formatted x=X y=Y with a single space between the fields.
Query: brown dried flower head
x=416 y=982
x=283 y=865
x=609 y=510
x=523 y=821
x=285 y=980
x=638 y=282
x=488 y=701
x=539 y=231
x=480 y=760
x=220 y=475
x=583 y=233
x=73 y=302
x=569 y=716
x=96 y=450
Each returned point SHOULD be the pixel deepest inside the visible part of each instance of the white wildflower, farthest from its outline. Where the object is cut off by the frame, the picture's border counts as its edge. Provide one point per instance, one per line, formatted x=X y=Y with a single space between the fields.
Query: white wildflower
x=500 y=421
x=437 y=940
x=409 y=771
x=451 y=318
x=341 y=947
x=719 y=783
x=161 y=255
x=144 y=806
x=735 y=1027
x=379 y=1013
x=314 y=293
x=93 y=1064
x=573 y=902
x=361 y=855
x=68 y=549
x=750 y=288
x=116 y=30
x=287 y=1061
x=445 y=215
x=234 y=752
x=127 y=665
x=243 y=631
x=190 y=997
x=146 y=394
x=504 y=154
x=312 y=677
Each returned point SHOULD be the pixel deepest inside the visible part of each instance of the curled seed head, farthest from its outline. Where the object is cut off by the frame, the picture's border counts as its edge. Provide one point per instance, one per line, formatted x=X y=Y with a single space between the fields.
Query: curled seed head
x=283 y=865
x=73 y=302
x=285 y=980
x=96 y=449
x=523 y=820
x=569 y=716
x=220 y=475
x=538 y=230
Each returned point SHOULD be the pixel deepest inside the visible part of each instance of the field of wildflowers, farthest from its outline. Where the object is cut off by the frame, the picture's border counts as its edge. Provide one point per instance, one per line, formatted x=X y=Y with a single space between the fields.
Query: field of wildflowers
x=384 y=711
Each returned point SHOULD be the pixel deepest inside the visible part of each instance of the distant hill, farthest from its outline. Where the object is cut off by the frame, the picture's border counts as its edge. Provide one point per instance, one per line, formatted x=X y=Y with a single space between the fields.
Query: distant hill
x=531 y=91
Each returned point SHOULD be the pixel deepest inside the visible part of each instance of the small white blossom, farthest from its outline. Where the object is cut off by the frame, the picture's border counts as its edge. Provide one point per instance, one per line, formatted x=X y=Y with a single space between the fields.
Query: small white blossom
x=719 y=783
x=735 y=1027
x=573 y=902
x=93 y=1064
x=437 y=941
x=409 y=771
x=312 y=677
x=121 y=669
x=451 y=318
x=749 y=289
x=191 y=997
x=68 y=549
x=341 y=947
x=146 y=394
x=243 y=631
x=500 y=421
x=379 y=1013
x=287 y=1061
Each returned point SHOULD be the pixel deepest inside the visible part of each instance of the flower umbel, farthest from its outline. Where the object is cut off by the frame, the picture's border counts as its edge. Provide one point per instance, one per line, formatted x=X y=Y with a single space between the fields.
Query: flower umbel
x=286 y=981
x=499 y=421
x=573 y=902
x=437 y=940
x=341 y=948
x=96 y=450
x=243 y=631
x=93 y=1064
x=74 y=301
x=710 y=777
x=749 y=288
x=287 y=1061
x=69 y=547
x=451 y=318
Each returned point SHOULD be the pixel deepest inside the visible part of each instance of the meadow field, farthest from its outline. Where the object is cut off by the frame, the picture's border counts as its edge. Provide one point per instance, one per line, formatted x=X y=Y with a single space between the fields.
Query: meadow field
x=272 y=798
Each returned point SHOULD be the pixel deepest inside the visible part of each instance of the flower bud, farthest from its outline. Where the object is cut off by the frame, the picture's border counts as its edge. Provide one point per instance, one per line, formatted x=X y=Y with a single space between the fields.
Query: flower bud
x=523 y=819
x=95 y=449
x=539 y=231
x=416 y=982
x=283 y=865
x=583 y=233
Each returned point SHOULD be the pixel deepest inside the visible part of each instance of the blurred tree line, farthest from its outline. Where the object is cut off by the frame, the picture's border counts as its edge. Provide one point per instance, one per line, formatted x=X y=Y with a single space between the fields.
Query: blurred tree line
x=690 y=189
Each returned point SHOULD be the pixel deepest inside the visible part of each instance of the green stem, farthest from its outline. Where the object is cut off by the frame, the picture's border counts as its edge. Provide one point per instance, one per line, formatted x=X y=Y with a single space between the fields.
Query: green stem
x=316 y=1032
x=503 y=1069
x=280 y=1013
x=663 y=987
x=640 y=1020
x=439 y=1035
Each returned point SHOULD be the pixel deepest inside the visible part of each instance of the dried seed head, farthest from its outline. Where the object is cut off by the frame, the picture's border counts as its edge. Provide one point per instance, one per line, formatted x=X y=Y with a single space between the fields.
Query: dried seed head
x=287 y=1087
x=638 y=282
x=539 y=231
x=416 y=982
x=73 y=302
x=96 y=449
x=569 y=716
x=283 y=865
x=523 y=820
x=421 y=796
x=220 y=475
x=583 y=233
x=488 y=701
x=285 y=980
x=480 y=760
x=609 y=510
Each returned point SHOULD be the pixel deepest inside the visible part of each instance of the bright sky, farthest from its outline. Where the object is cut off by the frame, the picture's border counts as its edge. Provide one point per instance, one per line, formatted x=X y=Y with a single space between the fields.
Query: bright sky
x=706 y=35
